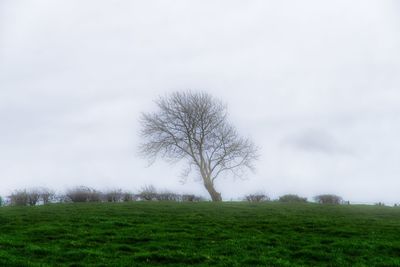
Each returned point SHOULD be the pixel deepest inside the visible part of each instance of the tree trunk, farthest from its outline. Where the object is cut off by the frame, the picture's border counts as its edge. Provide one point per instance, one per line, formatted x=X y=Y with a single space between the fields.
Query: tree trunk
x=215 y=196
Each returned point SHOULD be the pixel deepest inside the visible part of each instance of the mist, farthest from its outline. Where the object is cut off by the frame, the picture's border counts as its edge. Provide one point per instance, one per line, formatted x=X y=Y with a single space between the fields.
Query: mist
x=314 y=84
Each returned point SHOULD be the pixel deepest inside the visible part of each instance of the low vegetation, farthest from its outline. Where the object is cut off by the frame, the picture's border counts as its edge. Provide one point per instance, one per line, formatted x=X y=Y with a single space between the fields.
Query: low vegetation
x=83 y=194
x=292 y=199
x=257 y=197
x=328 y=199
x=156 y=233
x=31 y=197
x=80 y=194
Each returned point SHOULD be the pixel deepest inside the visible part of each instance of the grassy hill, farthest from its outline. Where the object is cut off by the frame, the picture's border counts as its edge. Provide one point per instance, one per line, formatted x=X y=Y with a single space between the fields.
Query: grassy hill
x=199 y=234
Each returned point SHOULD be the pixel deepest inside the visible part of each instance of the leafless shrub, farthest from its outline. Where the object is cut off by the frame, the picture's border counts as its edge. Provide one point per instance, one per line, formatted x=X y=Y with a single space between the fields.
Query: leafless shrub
x=86 y=194
x=95 y=196
x=328 y=199
x=191 y=198
x=292 y=198
x=126 y=197
x=167 y=196
x=83 y=194
x=25 y=197
x=19 y=198
x=33 y=196
x=257 y=197
x=188 y=197
x=148 y=192
x=47 y=195
x=62 y=198
x=113 y=195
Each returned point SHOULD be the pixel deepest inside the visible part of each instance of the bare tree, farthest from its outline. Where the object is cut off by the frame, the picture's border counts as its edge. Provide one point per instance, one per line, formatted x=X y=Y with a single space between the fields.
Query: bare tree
x=194 y=127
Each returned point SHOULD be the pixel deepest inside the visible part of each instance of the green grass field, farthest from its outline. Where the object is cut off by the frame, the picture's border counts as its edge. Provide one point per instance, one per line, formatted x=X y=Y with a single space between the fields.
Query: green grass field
x=199 y=234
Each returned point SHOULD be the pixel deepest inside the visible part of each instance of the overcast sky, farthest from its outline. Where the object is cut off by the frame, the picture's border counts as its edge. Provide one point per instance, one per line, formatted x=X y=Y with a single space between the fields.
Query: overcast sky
x=315 y=84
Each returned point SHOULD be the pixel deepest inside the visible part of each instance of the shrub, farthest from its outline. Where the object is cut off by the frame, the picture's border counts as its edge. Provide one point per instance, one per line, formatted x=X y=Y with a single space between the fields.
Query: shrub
x=19 y=198
x=86 y=194
x=126 y=197
x=95 y=196
x=33 y=196
x=113 y=195
x=380 y=204
x=83 y=194
x=47 y=195
x=148 y=193
x=1 y=201
x=25 y=197
x=167 y=196
x=257 y=197
x=328 y=199
x=292 y=198
x=191 y=198
x=188 y=197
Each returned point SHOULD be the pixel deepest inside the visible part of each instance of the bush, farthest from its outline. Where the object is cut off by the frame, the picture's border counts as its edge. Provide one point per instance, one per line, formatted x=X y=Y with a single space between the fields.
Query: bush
x=62 y=199
x=47 y=195
x=95 y=196
x=148 y=193
x=19 y=198
x=258 y=197
x=25 y=197
x=86 y=194
x=167 y=196
x=1 y=201
x=292 y=198
x=113 y=195
x=33 y=196
x=328 y=199
x=191 y=198
x=83 y=194
x=188 y=198
x=126 y=197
